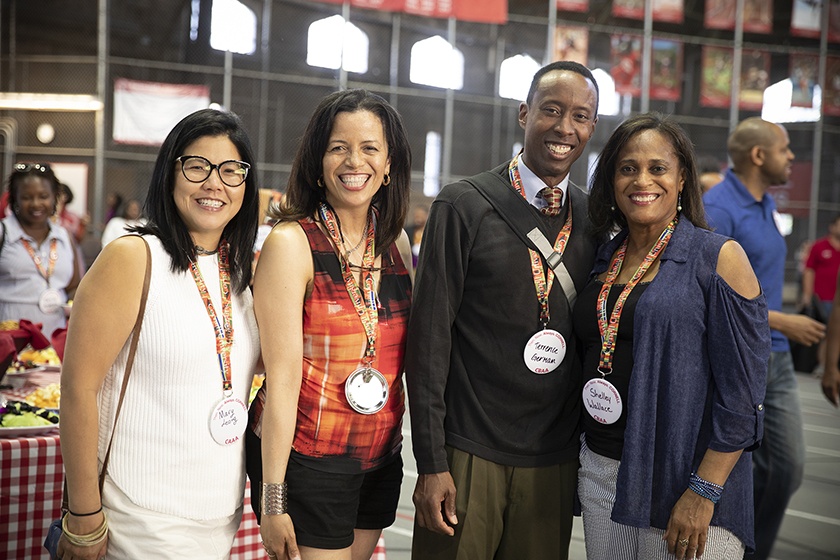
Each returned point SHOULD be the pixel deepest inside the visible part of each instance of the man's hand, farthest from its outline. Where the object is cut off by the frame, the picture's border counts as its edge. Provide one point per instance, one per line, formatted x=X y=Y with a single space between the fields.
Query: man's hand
x=830 y=382
x=798 y=328
x=434 y=500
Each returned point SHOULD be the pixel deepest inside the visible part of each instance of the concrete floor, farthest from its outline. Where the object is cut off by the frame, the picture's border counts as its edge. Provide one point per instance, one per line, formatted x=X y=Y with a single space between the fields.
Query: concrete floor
x=811 y=530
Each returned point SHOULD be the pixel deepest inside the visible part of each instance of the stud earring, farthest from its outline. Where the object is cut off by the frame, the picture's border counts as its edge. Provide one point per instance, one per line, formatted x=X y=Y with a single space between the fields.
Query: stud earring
x=679 y=202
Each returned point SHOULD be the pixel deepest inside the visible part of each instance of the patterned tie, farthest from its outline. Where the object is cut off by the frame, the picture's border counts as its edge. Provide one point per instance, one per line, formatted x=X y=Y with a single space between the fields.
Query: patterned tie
x=554 y=201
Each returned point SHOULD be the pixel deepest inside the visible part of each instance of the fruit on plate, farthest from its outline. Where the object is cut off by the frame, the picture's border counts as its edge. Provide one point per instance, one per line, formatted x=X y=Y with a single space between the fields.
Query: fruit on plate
x=16 y=414
x=45 y=357
x=45 y=397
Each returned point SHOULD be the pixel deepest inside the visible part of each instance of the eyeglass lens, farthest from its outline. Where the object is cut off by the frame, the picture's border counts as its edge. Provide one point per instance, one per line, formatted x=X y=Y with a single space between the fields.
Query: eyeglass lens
x=197 y=169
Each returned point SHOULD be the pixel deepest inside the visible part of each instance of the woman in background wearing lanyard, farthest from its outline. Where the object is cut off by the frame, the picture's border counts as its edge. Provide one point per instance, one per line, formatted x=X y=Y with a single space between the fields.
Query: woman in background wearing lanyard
x=176 y=477
x=38 y=268
x=676 y=342
x=332 y=294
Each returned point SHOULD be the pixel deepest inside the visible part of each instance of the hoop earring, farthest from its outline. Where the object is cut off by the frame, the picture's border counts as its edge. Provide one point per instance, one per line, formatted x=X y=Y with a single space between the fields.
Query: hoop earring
x=679 y=202
x=320 y=182
x=386 y=181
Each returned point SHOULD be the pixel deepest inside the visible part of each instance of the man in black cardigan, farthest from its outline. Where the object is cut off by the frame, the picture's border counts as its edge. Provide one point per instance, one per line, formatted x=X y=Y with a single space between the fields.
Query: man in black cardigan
x=491 y=366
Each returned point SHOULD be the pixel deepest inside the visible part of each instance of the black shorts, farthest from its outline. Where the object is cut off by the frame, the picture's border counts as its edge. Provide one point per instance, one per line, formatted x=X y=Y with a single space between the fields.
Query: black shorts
x=326 y=507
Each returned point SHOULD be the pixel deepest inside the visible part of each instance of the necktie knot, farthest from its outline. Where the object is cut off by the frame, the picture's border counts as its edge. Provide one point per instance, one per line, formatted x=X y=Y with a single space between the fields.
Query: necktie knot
x=553 y=197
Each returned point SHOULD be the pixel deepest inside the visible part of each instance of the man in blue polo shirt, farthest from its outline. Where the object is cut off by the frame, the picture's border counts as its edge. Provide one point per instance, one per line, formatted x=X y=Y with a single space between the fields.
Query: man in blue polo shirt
x=740 y=207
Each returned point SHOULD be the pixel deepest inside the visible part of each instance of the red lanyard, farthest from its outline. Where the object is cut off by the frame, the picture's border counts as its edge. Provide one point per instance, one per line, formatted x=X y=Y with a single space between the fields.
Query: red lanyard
x=39 y=264
x=541 y=283
x=609 y=328
x=223 y=329
x=365 y=307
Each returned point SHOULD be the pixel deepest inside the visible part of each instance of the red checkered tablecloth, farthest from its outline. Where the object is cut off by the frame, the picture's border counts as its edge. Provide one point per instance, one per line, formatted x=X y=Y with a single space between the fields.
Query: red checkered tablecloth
x=31 y=480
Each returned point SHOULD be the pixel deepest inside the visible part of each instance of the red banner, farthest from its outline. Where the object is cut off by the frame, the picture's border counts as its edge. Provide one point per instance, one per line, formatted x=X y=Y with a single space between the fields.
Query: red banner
x=480 y=11
x=758 y=15
x=670 y=11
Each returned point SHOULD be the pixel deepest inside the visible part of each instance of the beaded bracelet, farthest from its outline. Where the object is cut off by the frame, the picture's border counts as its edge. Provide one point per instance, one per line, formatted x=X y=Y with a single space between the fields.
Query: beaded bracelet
x=273 y=498
x=704 y=488
x=74 y=514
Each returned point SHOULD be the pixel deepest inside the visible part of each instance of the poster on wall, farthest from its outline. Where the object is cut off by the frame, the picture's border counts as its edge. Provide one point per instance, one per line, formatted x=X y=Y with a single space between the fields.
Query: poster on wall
x=145 y=112
x=626 y=64
x=755 y=77
x=571 y=43
x=831 y=91
x=666 y=70
x=758 y=15
x=806 y=20
x=670 y=11
x=481 y=11
x=803 y=76
x=716 y=81
x=573 y=5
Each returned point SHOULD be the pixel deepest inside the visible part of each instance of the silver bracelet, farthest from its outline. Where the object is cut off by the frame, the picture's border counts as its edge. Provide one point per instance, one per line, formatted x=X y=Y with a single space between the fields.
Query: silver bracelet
x=273 y=498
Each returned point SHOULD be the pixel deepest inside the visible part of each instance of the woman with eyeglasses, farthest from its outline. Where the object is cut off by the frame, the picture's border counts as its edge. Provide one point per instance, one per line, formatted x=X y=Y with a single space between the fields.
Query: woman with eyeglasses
x=332 y=293
x=38 y=268
x=175 y=478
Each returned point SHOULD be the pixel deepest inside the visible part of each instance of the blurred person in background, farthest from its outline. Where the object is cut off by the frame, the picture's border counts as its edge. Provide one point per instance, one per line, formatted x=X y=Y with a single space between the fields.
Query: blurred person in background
x=830 y=380
x=741 y=208
x=39 y=268
x=174 y=487
x=332 y=294
x=69 y=220
x=675 y=347
x=120 y=225
x=710 y=174
x=819 y=277
x=113 y=204
x=414 y=229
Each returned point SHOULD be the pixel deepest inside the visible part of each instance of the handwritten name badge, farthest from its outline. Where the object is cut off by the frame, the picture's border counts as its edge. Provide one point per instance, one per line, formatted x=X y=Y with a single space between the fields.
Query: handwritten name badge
x=545 y=351
x=602 y=401
x=228 y=421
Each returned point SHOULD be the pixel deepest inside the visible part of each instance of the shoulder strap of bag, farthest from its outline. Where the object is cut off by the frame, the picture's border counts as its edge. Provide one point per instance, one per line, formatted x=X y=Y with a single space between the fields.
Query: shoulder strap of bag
x=515 y=212
x=131 y=351
x=2 y=239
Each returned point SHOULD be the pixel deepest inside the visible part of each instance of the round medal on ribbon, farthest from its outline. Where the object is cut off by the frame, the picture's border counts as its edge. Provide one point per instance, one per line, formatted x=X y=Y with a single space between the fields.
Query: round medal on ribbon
x=545 y=351
x=602 y=401
x=228 y=421
x=366 y=390
x=50 y=301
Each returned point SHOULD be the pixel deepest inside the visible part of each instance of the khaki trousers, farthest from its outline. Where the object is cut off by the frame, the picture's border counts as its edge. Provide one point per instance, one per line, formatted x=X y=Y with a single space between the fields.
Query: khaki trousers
x=504 y=513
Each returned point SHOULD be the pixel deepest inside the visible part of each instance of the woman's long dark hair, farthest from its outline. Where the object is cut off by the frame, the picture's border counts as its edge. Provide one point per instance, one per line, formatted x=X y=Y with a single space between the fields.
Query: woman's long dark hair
x=603 y=212
x=303 y=196
x=166 y=223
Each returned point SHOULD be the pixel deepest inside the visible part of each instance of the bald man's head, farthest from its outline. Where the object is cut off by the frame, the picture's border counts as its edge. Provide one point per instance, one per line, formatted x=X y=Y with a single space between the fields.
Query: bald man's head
x=762 y=146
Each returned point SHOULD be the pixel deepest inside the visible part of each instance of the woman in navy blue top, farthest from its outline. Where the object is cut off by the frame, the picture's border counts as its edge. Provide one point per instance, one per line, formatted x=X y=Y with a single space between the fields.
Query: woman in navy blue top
x=676 y=342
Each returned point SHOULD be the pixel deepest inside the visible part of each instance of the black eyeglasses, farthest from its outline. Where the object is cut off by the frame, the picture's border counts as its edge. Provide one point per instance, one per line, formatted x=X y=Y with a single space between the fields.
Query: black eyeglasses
x=197 y=169
x=27 y=167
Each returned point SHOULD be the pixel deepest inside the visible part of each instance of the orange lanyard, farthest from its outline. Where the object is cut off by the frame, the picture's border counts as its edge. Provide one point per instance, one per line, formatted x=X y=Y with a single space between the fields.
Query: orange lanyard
x=542 y=283
x=39 y=264
x=223 y=329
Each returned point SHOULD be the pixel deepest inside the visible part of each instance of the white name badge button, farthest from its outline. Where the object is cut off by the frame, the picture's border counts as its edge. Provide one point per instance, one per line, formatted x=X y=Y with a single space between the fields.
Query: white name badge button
x=50 y=301
x=602 y=401
x=366 y=390
x=545 y=351
x=228 y=421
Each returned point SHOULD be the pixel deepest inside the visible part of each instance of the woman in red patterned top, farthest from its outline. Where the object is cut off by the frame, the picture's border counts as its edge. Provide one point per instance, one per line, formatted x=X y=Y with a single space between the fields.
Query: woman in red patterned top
x=332 y=294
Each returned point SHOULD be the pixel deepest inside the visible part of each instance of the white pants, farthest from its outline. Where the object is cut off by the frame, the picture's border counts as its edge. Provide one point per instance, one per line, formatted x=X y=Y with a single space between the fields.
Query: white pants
x=608 y=540
x=136 y=532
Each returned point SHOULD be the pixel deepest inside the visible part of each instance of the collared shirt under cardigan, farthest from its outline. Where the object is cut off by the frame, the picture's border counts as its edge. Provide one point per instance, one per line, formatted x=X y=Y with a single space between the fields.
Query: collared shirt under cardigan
x=688 y=397
x=474 y=309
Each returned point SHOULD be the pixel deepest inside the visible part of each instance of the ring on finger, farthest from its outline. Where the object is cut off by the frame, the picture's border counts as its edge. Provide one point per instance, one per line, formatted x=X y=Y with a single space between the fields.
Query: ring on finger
x=683 y=542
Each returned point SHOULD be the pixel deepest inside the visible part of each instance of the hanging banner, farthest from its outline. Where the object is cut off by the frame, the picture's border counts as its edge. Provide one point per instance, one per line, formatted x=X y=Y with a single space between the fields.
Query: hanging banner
x=573 y=5
x=571 y=43
x=803 y=76
x=758 y=15
x=716 y=81
x=480 y=11
x=806 y=20
x=670 y=11
x=626 y=64
x=666 y=70
x=145 y=112
x=755 y=77
x=831 y=91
